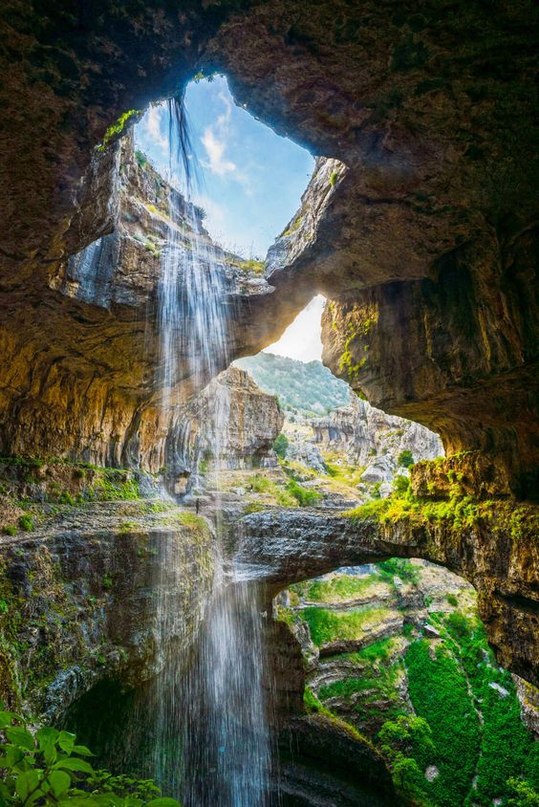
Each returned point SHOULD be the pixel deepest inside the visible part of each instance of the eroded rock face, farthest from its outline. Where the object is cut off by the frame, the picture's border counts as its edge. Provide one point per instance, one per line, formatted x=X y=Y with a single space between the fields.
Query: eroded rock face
x=375 y=440
x=231 y=424
x=83 y=603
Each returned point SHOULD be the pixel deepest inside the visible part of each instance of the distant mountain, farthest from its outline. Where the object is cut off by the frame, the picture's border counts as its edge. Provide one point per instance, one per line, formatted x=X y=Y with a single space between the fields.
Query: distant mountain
x=309 y=389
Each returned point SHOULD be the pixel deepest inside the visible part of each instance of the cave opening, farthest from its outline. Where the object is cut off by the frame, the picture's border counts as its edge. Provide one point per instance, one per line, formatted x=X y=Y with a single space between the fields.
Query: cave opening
x=246 y=179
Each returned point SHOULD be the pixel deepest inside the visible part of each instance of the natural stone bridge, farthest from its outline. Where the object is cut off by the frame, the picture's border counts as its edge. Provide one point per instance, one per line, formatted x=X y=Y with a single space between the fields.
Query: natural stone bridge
x=296 y=545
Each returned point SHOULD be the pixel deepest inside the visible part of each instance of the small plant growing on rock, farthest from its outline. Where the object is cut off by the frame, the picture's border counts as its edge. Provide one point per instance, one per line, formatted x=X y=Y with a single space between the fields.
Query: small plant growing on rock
x=26 y=523
x=406 y=458
x=280 y=445
x=48 y=767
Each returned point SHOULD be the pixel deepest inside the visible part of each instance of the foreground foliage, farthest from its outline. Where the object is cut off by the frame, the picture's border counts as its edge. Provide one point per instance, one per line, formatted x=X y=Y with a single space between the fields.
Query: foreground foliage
x=48 y=767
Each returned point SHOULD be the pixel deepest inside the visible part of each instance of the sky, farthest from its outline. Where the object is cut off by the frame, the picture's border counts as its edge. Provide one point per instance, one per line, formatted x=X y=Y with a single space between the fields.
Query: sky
x=251 y=180
x=301 y=340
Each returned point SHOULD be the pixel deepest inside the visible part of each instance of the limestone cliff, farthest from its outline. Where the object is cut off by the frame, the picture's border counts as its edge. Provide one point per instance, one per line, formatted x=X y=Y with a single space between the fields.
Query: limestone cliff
x=230 y=425
x=370 y=438
x=83 y=599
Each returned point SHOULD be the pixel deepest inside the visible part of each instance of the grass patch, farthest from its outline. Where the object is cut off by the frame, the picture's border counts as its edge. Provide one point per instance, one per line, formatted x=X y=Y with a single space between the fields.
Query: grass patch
x=335 y=589
x=399 y=567
x=261 y=484
x=374 y=653
x=303 y=496
x=330 y=626
x=439 y=693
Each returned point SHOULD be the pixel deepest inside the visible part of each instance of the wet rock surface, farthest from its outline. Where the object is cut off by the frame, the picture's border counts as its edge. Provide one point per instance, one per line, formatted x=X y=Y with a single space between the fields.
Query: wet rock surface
x=424 y=242
x=82 y=600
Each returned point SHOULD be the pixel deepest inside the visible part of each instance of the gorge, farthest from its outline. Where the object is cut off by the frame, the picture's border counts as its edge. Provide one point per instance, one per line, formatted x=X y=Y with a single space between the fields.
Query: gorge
x=165 y=521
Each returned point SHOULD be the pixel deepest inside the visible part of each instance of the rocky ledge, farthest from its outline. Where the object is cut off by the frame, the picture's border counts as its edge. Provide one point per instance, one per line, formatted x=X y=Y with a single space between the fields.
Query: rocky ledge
x=494 y=547
x=100 y=591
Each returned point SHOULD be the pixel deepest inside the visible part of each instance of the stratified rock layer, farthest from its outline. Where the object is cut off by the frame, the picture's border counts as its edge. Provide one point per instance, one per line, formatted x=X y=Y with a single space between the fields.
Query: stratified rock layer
x=105 y=592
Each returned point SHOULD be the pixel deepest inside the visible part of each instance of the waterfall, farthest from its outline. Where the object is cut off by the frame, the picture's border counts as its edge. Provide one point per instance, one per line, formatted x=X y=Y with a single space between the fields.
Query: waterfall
x=211 y=728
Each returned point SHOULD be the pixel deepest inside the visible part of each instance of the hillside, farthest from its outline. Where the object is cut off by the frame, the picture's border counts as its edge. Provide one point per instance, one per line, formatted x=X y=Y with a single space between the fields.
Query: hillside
x=310 y=389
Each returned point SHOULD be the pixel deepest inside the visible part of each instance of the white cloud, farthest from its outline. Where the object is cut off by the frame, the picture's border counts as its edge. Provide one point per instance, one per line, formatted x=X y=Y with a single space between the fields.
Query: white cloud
x=301 y=340
x=153 y=128
x=215 y=149
x=216 y=139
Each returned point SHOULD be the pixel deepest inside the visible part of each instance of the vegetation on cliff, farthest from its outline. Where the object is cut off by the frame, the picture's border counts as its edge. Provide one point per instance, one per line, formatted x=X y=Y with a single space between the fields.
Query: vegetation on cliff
x=426 y=691
x=308 y=388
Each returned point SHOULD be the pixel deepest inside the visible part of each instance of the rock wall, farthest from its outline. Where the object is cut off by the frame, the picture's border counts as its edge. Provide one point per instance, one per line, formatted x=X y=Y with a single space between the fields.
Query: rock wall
x=231 y=424
x=495 y=549
x=370 y=438
x=84 y=600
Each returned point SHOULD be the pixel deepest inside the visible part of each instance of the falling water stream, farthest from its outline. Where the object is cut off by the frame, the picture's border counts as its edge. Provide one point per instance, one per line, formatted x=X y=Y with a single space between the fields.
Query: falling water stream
x=212 y=738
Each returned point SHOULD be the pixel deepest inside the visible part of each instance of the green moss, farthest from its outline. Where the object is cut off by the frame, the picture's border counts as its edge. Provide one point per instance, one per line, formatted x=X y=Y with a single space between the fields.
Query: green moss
x=303 y=496
x=114 y=485
x=334 y=589
x=192 y=521
x=258 y=483
x=117 y=129
x=378 y=651
x=518 y=520
x=26 y=523
x=293 y=226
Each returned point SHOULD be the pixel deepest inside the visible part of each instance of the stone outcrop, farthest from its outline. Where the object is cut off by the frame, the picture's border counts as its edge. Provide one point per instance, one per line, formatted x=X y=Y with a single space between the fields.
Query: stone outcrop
x=108 y=591
x=369 y=437
x=421 y=228
x=231 y=424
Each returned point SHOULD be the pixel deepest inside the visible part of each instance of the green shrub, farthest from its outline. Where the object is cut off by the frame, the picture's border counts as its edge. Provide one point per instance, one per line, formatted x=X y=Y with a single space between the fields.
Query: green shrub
x=303 y=496
x=26 y=523
x=522 y=794
x=406 y=458
x=141 y=158
x=452 y=600
x=49 y=768
x=280 y=445
x=9 y=529
x=400 y=567
x=401 y=484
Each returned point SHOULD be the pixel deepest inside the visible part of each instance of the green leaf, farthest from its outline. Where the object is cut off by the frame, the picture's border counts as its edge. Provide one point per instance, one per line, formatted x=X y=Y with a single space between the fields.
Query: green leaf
x=6 y=719
x=82 y=751
x=60 y=782
x=36 y=795
x=73 y=764
x=50 y=754
x=66 y=741
x=26 y=782
x=20 y=737
x=47 y=735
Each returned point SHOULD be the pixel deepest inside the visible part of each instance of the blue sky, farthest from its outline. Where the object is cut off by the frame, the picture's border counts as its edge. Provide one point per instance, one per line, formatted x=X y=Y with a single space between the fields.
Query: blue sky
x=251 y=179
